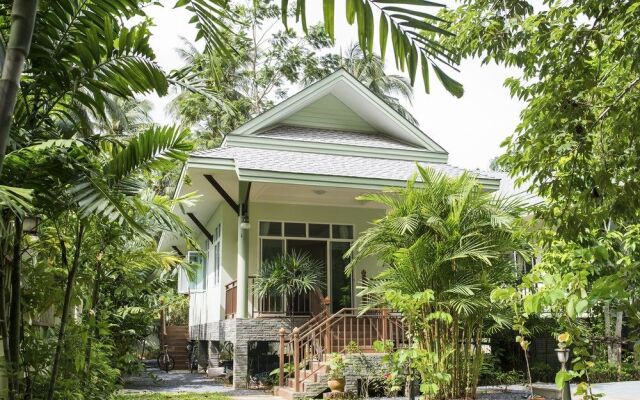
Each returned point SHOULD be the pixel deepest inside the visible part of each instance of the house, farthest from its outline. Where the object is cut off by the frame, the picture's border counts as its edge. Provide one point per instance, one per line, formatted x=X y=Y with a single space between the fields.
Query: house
x=288 y=180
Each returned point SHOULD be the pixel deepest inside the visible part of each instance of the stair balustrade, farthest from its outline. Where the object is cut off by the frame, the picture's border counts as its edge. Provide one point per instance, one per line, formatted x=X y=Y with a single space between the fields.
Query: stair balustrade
x=304 y=351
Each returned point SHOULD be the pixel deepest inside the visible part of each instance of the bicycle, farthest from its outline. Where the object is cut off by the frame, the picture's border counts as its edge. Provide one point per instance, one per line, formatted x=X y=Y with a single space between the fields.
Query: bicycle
x=165 y=361
x=193 y=357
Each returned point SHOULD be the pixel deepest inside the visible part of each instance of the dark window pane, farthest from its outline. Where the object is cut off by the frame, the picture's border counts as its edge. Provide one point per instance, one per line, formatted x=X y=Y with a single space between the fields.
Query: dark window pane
x=271 y=249
x=342 y=231
x=295 y=229
x=318 y=230
x=340 y=282
x=270 y=228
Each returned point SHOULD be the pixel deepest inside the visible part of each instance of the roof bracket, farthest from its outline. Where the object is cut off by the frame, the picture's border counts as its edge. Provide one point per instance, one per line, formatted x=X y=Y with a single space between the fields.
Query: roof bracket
x=223 y=193
x=177 y=250
x=201 y=226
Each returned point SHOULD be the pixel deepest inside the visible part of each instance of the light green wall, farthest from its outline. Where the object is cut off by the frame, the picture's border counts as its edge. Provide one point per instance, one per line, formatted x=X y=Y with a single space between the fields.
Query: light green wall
x=329 y=113
x=360 y=218
x=208 y=306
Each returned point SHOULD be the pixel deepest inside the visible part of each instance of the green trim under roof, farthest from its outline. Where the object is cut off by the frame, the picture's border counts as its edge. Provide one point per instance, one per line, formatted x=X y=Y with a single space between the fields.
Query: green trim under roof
x=336 y=181
x=258 y=142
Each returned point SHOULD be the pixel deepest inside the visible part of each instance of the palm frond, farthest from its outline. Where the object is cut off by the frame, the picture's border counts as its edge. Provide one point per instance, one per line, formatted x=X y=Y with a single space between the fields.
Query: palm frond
x=154 y=148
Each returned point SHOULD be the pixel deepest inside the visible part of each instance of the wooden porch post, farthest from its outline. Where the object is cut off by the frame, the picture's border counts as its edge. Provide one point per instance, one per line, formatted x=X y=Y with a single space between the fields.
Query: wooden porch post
x=281 y=333
x=296 y=358
x=327 y=329
x=385 y=325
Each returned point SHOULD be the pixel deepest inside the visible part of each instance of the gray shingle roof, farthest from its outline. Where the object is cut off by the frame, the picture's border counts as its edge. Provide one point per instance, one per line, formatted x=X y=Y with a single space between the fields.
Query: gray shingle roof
x=304 y=134
x=324 y=164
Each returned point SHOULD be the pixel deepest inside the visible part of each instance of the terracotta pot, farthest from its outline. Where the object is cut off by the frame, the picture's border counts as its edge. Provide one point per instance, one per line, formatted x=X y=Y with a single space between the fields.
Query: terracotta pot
x=336 y=385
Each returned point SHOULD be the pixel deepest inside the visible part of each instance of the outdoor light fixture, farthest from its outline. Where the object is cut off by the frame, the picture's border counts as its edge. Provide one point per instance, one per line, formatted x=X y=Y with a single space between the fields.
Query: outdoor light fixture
x=30 y=225
x=563 y=357
x=245 y=223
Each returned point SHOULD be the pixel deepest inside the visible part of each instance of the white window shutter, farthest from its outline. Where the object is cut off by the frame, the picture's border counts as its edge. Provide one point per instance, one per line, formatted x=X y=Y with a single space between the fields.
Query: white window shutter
x=183 y=281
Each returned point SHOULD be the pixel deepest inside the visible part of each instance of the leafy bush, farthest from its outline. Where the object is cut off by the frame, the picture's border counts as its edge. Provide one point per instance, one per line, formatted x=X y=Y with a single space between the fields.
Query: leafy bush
x=602 y=371
x=542 y=372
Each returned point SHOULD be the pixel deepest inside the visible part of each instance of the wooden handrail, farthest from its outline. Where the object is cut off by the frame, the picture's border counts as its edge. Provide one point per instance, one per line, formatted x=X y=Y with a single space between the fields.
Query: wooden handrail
x=335 y=333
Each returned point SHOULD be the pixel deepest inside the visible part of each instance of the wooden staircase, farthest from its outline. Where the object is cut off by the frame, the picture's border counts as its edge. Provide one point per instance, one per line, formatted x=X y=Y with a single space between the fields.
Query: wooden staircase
x=177 y=338
x=349 y=330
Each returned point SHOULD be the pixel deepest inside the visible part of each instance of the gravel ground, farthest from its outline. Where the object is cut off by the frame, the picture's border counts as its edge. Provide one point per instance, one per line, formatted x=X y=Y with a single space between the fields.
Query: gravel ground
x=179 y=381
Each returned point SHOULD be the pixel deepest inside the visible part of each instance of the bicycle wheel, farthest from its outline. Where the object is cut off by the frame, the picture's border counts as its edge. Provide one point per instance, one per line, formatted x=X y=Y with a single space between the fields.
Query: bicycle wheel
x=170 y=364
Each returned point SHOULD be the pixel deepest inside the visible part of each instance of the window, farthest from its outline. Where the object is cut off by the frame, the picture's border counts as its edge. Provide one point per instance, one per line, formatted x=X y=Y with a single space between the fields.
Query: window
x=319 y=231
x=198 y=262
x=270 y=228
x=216 y=245
x=342 y=231
x=294 y=229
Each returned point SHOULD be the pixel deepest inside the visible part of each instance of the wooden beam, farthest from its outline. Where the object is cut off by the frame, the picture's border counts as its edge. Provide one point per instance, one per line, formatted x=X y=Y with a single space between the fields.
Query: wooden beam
x=177 y=250
x=245 y=204
x=223 y=193
x=201 y=226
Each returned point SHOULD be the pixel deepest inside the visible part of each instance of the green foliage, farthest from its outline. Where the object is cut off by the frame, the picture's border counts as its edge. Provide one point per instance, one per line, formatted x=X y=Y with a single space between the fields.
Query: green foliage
x=577 y=146
x=414 y=34
x=336 y=366
x=444 y=242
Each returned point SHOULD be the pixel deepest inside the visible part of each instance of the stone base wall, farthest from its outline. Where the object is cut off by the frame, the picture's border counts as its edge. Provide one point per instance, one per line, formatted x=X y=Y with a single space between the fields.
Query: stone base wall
x=240 y=332
x=361 y=367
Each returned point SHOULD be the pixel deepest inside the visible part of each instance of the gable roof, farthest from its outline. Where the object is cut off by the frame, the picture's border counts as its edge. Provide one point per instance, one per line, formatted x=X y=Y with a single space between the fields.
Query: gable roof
x=356 y=97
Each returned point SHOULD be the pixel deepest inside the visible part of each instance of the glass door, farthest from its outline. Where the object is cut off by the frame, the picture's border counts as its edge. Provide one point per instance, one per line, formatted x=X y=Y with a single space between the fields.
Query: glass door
x=341 y=288
x=317 y=250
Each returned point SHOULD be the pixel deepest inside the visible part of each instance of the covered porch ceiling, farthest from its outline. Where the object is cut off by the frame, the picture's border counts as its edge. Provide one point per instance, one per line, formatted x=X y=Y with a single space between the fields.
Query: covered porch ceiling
x=199 y=181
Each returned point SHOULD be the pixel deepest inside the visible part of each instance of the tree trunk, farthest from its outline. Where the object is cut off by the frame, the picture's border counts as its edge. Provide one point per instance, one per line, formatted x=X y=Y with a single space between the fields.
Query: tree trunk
x=23 y=17
x=617 y=345
x=92 y=319
x=65 y=311
x=5 y=291
x=608 y=337
x=15 y=316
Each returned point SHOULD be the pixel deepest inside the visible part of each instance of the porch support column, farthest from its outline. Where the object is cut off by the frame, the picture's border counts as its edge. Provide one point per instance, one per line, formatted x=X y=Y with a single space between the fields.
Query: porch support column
x=243 y=251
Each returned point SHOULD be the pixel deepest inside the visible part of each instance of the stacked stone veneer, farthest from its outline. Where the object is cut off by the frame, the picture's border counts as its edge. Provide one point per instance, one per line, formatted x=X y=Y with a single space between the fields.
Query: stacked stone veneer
x=240 y=332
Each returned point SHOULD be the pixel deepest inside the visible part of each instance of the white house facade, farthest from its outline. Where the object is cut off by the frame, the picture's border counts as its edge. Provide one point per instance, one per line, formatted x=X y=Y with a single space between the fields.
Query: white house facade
x=288 y=180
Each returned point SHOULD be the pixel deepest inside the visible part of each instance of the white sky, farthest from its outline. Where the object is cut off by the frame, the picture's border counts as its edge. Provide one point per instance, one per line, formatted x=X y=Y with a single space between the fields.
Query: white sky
x=470 y=129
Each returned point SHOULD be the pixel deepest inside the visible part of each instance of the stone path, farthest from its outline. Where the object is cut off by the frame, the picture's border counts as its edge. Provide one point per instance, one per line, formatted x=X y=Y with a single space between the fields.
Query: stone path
x=178 y=381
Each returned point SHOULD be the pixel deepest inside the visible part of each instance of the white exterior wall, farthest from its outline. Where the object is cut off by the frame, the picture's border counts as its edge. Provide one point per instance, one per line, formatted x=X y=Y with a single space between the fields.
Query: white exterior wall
x=208 y=306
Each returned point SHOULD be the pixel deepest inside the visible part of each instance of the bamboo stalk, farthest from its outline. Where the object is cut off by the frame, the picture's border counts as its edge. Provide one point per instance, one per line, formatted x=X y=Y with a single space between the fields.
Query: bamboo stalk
x=23 y=17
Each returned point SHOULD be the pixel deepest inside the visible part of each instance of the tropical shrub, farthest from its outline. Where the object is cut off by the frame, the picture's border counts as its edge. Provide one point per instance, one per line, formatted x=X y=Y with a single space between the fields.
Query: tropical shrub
x=446 y=243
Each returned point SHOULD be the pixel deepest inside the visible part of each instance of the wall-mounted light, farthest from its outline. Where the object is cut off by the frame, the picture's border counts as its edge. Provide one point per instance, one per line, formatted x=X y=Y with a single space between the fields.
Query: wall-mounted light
x=245 y=223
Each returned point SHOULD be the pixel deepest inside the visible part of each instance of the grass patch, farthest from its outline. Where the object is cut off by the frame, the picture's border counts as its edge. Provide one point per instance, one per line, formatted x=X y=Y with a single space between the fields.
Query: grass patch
x=173 y=396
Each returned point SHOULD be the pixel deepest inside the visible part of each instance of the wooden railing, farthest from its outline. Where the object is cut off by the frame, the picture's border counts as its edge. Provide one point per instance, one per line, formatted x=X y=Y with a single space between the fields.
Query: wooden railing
x=306 y=347
x=265 y=305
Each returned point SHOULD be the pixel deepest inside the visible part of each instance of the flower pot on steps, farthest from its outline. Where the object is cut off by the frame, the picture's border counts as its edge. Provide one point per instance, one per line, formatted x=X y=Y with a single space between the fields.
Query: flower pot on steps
x=336 y=385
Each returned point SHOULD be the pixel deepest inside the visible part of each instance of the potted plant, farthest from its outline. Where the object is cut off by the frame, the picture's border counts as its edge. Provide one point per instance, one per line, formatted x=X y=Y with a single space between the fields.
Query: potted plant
x=336 y=381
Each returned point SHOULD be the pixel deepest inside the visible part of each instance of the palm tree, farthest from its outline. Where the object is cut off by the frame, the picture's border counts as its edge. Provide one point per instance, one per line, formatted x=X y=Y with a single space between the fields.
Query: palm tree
x=289 y=276
x=449 y=242
x=368 y=68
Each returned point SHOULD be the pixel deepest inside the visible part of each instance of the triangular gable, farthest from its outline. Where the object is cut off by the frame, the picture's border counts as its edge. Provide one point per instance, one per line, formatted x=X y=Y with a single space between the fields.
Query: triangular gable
x=329 y=112
x=366 y=109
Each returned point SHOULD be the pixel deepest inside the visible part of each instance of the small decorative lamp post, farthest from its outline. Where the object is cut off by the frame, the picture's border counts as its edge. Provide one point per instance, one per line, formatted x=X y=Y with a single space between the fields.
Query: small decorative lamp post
x=563 y=357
